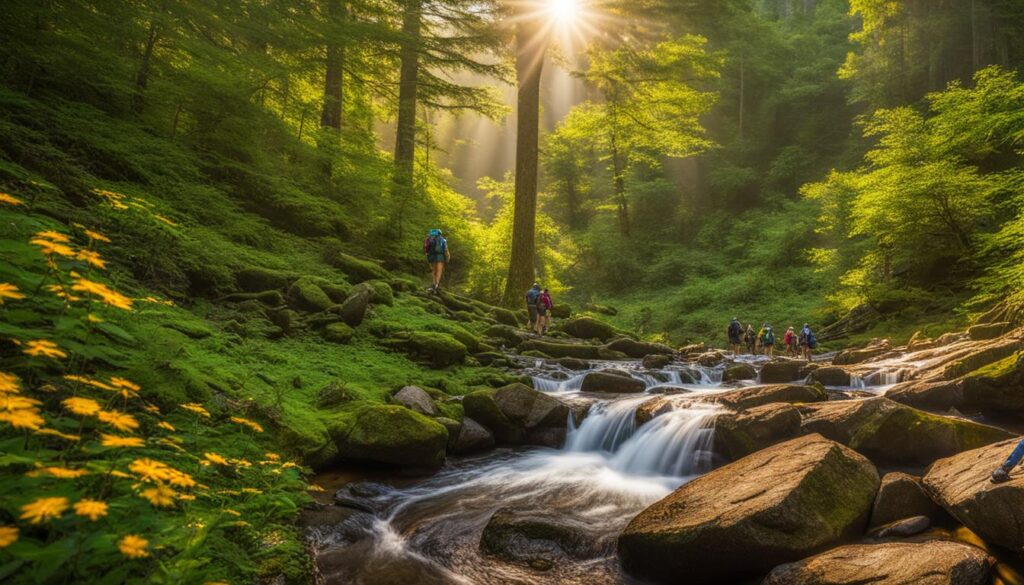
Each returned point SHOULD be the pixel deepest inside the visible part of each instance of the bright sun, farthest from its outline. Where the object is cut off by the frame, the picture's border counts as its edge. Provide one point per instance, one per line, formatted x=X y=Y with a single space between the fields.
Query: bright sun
x=563 y=12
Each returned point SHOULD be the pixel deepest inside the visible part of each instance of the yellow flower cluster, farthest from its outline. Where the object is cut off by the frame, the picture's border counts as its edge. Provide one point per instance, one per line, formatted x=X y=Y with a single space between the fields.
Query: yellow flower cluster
x=196 y=408
x=105 y=293
x=10 y=199
x=248 y=423
x=44 y=348
x=16 y=410
x=9 y=291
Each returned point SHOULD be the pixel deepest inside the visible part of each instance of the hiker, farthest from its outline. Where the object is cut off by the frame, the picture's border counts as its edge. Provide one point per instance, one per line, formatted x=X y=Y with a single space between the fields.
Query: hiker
x=789 y=339
x=750 y=337
x=544 y=305
x=759 y=346
x=436 y=249
x=735 y=331
x=1002 y=473
x=768 y=340
x=532 y=296
x=808 y=342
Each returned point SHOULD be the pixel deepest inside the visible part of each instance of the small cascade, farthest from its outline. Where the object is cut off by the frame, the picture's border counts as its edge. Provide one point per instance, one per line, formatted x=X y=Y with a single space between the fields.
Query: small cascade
x=876 y=380
x=607 y=426
x=571 y=384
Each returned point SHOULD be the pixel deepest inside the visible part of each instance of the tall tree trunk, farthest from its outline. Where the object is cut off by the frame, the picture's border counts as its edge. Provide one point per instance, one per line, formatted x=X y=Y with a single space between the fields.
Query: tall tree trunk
x=330 y=117
x=530 y=47
x=142 y=76
x=619 y=181
x=572 y=200
x=405 y=135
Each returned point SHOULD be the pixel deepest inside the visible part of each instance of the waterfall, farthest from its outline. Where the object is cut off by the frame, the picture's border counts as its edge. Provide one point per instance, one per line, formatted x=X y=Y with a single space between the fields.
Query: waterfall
x=571 y=384
x=607 y=426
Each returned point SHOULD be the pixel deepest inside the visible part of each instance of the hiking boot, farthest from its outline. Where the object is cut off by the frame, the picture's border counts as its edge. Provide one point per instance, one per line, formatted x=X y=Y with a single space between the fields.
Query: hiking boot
x=999 y=476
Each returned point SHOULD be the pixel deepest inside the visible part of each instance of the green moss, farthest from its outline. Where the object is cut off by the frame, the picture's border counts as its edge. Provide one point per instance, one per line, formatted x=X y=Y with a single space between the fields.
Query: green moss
x=996 y=370
x=382 y=293
x=306 y=295
x=388 y=434
x=356 y=269
x=338 y=333
x=481 y=407
x=257 y=279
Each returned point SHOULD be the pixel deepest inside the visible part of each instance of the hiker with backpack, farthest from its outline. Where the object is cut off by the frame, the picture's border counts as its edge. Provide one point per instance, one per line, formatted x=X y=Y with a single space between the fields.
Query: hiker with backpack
x=808 y=342
x=750 y=337
x=436 y=249
x=789 y=339
x=759 y=340
x=532 y=296
x=544 y=305
x=735 y=331
x=768 y=340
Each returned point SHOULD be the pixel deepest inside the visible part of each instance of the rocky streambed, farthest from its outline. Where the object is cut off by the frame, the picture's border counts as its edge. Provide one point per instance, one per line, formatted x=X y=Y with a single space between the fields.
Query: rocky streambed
x=697 y=467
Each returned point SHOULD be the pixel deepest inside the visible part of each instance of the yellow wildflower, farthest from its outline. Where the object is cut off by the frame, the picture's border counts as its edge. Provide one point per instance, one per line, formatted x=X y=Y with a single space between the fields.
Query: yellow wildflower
x=241 y=462
x=133 y=546
x=45 y=348
x=10 y=200
x=116 y=441
x=196 y=408
x=246 y=422
x=120 y=474
x=9 y=383
x=186 y=497
x=160 y=496
x=23 y=419
x=151 y=408
x=9 y=291
x=315 y=488
x=11 y=402
x=44 y=509
x=56 y=433
x=96 y=236
x=8 y=534
x=61 y=293
x=59 y=472
x=49 y=248
x=91 y=509
x=166 y=425
x=88 y=381
x=215 y=458
x=93 y=318
x=53 y=236
x=104 y=292
x=118 y=420
x=272 y=456
x=126 y=384
x=92 y=258
x=152 y=470
x=81 y=406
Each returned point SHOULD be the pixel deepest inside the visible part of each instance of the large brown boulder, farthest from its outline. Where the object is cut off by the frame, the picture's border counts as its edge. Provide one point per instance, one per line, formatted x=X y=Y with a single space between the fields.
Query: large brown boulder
x=738 y=434
x=652 y=408
x=775 y=506
x=935 y=562
x=782 y=371
x=519 y=415
x=900 y=495
x=995 y=512
x=538 y=540
x=612 y=382
x=939 y=396
x=891 y=433
x=740 y=371
x=831 y=376
x=984 y=331
x=997 y=387
x=856 y=356
x=758 y=395
x=989 y=353
x=471 y=436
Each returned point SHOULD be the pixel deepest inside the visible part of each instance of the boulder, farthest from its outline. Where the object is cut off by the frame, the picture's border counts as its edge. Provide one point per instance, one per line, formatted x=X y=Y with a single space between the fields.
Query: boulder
x=996 y=388
x=472 y=437
x=557 y=350
x=782 y=371
x=710 y=359
x=939 y=396
x=651 y=409
x=737 y=372
x=417 y=400
x=304 y=294
x=738 y=521
x=389 y=434
x=831 y=376
x=602 y=309
x=960 y=484
x=986 y=331
x=656 y=362
x=504 y=317
x=333 y=394
x=856 y=356
x=892 y=433
x=538 y=540
x=901 y=495
x=353 y=310
x=935 y=562
x=561 y=311
x=612 y=382
x=989 y=354
x=573 y=363
x=738 y=434
x=589 y=328
x=904 y=528
x=758 y=395
x=519 y=415
x=381 y=292
x=692 y=349
x=440 y=349
x=639 y=349
x=270 y=298
x=255 y=280
x=356 y=269
x=508 y=334
x=338 y=333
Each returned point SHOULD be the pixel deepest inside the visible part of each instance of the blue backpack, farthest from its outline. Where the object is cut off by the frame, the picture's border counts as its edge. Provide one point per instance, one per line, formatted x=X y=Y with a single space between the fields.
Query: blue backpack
x=812 y=341
x=769 y=337
x=531 y=297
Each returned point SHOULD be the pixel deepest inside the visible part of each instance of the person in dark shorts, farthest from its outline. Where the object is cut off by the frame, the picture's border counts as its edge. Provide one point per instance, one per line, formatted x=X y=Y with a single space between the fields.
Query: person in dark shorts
x=735 y=332
x=544 y=305
x=436 y=249
x=750 y=337
x=532 y=296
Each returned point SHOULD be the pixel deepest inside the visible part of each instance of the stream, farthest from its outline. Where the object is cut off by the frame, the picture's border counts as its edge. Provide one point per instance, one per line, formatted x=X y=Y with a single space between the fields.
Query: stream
x=429 y=530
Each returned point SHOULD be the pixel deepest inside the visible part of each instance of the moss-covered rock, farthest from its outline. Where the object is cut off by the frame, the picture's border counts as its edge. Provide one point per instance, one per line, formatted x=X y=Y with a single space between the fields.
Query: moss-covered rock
x=304 y=294
x=739 y=371
x=504 y=316
x=270 y=298
x=286 y=319
x=590 y=328
x=356 y=269
x=639 y=349
x=508 y=334
x=382 y=293
x=257 y=279
x=535 y=354
x=517 y=414
x=738 y=434
x=338 y=333
x=558 y=350
x=389 y=434
x=334 y=394
x=353 y=310
x=440 y=349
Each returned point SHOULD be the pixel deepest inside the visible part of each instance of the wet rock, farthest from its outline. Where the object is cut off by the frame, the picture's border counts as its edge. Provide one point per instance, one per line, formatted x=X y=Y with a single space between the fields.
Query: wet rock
x=656 y=362
x=935 y=562
x=338 y=333
x=782 y=371
x=416 y=399
x=490 y=357
x=652 y=408
x=318 y=515
x=539 y=540
x=757 y=395
x=508 y=334
x=710 y=359
x=901 y=495
x=738 y=521
x=573 y=363
x=389 y=434
x=988 y=330
x=692 y=349
x=856 y=356
x=304 y=294
x=994 y=511
x=738 y=434
x=519 y=415
x=738 y=372
x=639 y=349
x=996 y=388
x=589 y=328
x=831 y=376
x=554 y=349
x=472 y=437
x=990 y=353
x=951 y=338
x=891 y=433
x=610 y=354
x=939 y=396
x=904 y=528
x=611 y=382
x=364 y=563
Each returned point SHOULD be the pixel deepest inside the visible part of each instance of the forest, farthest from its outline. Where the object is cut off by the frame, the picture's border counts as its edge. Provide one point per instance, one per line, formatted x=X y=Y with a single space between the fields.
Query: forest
x=221 y=360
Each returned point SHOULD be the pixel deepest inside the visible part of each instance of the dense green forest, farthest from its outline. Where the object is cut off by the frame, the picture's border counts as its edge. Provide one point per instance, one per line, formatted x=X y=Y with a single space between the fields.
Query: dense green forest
x=192 y=194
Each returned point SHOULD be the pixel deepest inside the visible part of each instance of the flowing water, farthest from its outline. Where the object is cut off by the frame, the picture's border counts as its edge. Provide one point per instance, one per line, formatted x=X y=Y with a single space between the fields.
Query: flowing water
x=609 y=469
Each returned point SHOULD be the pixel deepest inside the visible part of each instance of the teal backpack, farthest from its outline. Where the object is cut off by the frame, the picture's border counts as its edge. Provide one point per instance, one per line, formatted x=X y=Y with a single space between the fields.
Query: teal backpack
x=769 y=337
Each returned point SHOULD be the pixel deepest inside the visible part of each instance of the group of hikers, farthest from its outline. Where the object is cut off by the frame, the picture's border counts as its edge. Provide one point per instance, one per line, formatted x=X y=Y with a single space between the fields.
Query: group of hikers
x=762 y=341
